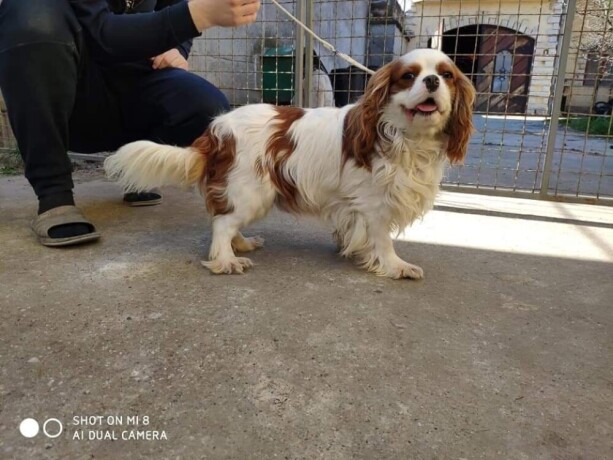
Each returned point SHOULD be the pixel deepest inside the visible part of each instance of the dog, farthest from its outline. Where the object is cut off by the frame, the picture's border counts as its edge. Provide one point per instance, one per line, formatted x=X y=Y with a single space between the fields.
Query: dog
x=370 y=168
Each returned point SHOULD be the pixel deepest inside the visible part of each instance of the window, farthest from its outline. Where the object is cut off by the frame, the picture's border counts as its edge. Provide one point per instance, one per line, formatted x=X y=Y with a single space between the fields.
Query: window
x=595 y=67
x=503 y=67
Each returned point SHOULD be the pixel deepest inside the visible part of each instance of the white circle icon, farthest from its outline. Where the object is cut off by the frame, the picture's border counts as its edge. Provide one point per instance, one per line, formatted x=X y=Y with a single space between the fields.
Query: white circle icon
x=28 y=427
x=59 y=425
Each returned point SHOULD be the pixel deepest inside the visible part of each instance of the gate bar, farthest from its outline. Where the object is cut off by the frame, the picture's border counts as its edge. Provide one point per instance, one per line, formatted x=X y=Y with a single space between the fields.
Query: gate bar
x=308 y=53
x=299 y=55
x=558 y=92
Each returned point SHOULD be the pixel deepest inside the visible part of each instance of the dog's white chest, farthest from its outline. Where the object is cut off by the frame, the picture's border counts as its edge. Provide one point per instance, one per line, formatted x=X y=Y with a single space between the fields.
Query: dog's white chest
x=413 y=188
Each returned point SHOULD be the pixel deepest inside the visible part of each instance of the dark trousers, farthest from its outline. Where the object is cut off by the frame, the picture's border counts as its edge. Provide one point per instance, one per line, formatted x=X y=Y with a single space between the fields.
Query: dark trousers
x=58 y=98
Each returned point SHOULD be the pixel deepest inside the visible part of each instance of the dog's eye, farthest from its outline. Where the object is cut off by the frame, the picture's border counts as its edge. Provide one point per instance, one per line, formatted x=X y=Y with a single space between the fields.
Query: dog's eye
x=408 y=76
x=447 y=75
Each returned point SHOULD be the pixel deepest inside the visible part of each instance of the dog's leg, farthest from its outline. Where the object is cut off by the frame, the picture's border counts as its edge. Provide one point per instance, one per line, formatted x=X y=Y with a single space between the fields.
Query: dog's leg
x=338 y=239
x=250 y=200
x=391 y=265
x=221 y=256
x=381 y=257
x=241 y=243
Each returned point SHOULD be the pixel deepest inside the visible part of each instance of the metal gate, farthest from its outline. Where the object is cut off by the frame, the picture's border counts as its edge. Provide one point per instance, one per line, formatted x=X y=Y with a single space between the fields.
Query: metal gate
x=543 y=70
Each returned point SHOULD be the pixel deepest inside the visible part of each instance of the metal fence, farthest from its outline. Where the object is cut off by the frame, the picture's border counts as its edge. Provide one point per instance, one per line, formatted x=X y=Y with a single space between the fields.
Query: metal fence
x=7 y=141
x=541 y=68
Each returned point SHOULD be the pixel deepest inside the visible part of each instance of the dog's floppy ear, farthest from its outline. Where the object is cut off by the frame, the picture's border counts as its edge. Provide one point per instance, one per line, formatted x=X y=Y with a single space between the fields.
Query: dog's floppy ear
x=460 y=125
x=360 y=130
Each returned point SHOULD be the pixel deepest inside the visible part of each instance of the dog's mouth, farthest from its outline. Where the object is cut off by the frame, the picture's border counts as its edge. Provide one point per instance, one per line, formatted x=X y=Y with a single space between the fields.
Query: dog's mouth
x=426 y=108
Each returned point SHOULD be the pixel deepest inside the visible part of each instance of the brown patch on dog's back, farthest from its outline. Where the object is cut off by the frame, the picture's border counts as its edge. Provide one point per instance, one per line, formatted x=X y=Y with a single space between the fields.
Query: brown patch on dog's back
x=220 y=156
x=278 y=150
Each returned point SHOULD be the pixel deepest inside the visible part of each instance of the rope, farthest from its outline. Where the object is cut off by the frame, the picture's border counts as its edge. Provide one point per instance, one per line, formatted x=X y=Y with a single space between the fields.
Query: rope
x=326 y=44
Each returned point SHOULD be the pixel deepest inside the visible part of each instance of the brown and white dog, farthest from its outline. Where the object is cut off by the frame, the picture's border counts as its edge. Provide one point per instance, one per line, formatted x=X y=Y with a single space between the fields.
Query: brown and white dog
x=370 y=168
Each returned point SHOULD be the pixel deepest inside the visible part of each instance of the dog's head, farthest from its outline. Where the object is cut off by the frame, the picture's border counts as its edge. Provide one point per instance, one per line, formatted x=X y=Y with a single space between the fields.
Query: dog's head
x=422 y=94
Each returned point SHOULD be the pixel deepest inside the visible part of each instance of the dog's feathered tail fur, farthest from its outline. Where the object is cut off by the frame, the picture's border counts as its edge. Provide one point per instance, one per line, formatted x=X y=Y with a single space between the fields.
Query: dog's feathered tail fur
x=143 y=165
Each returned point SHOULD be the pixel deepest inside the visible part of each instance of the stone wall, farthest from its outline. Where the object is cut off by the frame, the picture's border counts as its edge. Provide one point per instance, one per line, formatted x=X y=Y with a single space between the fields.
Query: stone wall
x=581 y=97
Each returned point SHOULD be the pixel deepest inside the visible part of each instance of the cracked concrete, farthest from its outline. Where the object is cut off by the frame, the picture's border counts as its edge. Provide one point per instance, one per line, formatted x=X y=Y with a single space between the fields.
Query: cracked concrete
x=503 y=351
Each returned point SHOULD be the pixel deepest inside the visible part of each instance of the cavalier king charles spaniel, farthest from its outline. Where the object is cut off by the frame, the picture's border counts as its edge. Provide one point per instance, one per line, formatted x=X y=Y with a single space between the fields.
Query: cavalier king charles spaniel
x=369 y=168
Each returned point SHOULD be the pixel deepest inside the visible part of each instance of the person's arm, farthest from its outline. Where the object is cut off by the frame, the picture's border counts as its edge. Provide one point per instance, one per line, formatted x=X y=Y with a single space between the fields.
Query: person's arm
x=185 y=47
x=140 y=36
x=133 y=36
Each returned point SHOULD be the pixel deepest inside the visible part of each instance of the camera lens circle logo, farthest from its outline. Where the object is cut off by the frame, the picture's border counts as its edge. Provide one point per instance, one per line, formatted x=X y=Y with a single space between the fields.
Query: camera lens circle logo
x=28 y=428
x=52 y=428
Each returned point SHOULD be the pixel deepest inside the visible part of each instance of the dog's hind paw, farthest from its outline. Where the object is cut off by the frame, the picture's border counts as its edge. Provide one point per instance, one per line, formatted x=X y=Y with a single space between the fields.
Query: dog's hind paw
x=244 y=244
x=228 y=266
x=403 y=270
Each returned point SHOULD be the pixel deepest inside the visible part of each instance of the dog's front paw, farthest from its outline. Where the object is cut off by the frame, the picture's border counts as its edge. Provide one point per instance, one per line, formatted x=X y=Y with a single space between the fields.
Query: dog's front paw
x=228 y=266
x=403 y=269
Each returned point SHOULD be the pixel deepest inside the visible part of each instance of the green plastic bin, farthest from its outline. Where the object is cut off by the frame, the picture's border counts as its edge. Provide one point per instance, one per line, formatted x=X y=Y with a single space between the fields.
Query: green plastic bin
x=278 y=75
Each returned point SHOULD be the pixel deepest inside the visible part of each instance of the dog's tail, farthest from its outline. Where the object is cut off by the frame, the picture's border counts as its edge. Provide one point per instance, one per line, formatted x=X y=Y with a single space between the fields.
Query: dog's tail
x=143 y=165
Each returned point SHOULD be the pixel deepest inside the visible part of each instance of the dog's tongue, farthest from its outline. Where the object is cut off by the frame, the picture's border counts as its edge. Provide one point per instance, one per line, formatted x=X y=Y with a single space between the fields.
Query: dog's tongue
x=426 y=107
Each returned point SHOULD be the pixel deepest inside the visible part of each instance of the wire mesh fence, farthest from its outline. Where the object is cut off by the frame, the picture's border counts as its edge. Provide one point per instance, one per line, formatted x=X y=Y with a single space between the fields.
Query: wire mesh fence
x=582 y=163
x=7 y=140
x=543 y=70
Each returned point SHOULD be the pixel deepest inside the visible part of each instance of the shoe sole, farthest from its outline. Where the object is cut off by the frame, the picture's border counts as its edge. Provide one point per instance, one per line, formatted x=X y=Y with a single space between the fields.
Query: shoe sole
x=70 y=241
x=138 y=204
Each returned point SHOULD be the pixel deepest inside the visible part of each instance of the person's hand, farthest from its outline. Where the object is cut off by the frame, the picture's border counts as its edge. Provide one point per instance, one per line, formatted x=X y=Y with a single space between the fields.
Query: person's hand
x=171 y=58
x=224 y=13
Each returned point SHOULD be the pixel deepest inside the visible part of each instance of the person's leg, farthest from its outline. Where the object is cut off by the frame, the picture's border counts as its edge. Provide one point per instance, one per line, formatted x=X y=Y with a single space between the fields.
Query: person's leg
x=172 y=106
x=38 y=79
x=45 y=78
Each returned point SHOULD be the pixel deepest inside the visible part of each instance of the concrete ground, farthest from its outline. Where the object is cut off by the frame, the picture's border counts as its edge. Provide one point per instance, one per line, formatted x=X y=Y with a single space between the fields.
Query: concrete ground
x=504 y=351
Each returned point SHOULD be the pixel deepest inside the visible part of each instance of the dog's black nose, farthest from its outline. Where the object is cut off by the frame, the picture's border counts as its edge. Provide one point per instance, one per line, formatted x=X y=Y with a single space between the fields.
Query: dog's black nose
x=432 y=82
